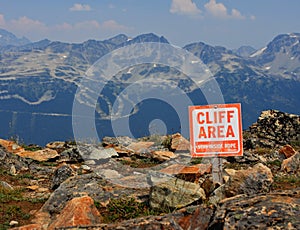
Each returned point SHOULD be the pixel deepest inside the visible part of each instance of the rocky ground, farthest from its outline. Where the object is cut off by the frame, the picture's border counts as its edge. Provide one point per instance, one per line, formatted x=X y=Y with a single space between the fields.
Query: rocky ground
x=153 y=183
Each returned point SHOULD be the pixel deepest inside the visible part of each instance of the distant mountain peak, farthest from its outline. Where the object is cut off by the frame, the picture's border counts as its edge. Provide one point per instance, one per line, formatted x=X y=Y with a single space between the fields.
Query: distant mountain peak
x=9 y=39
x=281 y=56
x=149 y=37
x=244 y=51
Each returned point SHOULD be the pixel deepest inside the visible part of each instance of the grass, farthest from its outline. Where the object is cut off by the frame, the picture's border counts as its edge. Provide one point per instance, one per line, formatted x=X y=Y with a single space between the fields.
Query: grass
x=296 y=144
x=50 y=164
x=195 y=161
x=14 y=206
x=32 y=148
x=262 y=151
x=124 y=208
x=7 y=195
x=275 y=163
x=288 y=179
x=167 y=143
x=286 y=182
x=139 y=162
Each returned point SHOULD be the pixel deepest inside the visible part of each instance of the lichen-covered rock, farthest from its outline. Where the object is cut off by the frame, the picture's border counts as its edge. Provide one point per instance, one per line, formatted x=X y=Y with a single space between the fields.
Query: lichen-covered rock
x=91 y=185
x=287 y=151
x=291 y=164
x=249 y=181
x=39 y=155
x=191 y=218
x=175 y=193
x=70 y=155
x=79 y=211
x=272 y=211
x=179 y=143
x=60 y=175
x=273 y=128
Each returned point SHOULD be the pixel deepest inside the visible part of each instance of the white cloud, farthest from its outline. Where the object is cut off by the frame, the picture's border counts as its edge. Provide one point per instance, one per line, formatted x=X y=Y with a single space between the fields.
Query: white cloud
x=69 y=32
x=91 y=25
x=219 y=10
x=184 y=7
x=113 y=25
x=87 y=25
x=237 y=14
x=80 y=7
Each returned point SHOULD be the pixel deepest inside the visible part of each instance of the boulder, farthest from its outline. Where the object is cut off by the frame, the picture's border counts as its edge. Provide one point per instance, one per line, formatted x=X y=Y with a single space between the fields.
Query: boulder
x=179 y=143
x=249 y=181
x=279 y=210
x=71 y=155
x=11 y=146
x=291 y=164
x=60 y=175
x=188 y=173
x=287 y=151
x=39 y=155
x=79 y=211
x=163 y=155
x=140 y=147
x=175 y=193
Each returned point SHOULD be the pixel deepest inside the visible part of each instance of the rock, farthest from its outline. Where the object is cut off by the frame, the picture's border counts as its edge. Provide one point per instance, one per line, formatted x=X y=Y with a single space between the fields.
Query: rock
x=275 y=128
x=13 y=223
x=41 y=219
x=13 y=163
x=13 y=170
x=179 y=143
x=193 y=218
x=248 y=157
x=80 y=211
x=217 y=195
x=91 y=185
x=33 y=187
x=287 y=151
x=123 y=141
x=249 y=181
x=60 y=175
x=173 y=169
x=28 y=227
x=208 y=185
x=11 y=146
x=175 y=193
x=39 y=155
x=94 y=152
x=85 y=169
x=163 y=155
x=197 y=220
x=188 y=173
x=56 y=145
x=291 y=164
x=140 y=147
x=6 y=185
x=271 y=211
x=71 y=155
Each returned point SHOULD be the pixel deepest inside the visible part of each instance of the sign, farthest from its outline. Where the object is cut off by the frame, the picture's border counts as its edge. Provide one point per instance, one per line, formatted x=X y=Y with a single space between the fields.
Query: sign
x=216 y=130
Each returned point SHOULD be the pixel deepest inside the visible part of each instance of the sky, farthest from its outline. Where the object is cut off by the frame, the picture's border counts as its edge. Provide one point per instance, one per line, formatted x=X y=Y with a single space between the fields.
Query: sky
x=228 y=23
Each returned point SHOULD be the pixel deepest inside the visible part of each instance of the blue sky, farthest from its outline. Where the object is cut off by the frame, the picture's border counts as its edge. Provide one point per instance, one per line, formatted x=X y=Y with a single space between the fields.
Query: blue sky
x=229 y=23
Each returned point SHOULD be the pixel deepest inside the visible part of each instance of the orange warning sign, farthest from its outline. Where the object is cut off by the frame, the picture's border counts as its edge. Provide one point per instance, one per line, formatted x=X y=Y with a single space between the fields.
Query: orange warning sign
x=216 y=130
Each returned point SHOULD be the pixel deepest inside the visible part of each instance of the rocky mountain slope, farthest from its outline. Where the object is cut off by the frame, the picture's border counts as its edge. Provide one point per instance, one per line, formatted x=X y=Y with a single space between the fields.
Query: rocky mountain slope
x=38 y=82
x=8 y=39
x=153 y=183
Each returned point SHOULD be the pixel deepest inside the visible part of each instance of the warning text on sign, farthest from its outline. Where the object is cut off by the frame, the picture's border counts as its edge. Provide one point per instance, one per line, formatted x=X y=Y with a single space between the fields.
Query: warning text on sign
x=216 y=130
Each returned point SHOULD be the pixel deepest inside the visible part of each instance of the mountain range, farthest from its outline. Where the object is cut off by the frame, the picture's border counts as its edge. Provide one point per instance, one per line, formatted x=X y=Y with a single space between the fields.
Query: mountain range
x=38 y=81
